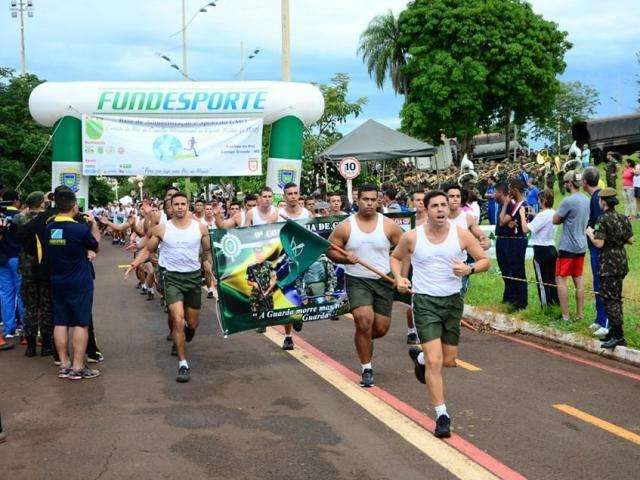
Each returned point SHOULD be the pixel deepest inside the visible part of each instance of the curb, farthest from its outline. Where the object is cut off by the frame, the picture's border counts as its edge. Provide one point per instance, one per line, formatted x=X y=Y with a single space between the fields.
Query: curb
x=504 y=323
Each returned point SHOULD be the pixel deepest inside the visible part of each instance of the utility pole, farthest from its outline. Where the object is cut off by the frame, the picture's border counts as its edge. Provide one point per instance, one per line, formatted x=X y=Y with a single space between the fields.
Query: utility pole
x=19 y=7
x=185 y=68
x=241 y=60
x=286 y=43
x=185 y=75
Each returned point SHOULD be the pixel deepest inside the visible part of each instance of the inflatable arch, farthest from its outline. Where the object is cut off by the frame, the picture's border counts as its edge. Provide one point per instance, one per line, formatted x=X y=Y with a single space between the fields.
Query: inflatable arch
x=287 y=106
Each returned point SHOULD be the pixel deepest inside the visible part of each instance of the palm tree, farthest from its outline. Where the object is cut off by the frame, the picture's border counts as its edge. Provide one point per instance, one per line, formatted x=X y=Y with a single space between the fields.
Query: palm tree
x=381 y=51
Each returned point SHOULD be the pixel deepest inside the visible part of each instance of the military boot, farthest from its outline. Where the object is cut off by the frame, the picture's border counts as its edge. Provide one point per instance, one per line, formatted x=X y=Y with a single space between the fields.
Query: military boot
x=47 y=346
x=31 y=346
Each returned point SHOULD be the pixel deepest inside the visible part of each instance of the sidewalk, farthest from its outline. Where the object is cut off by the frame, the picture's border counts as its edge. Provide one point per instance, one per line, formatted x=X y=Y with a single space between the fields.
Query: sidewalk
x=504 y=323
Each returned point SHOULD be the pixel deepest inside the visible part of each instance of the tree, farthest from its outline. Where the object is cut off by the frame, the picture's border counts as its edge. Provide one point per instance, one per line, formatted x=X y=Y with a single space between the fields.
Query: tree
x=100 y=193
x=382 y=52
x=574 y=101
x=324 y=133
x=475 y=62
x=21 y=138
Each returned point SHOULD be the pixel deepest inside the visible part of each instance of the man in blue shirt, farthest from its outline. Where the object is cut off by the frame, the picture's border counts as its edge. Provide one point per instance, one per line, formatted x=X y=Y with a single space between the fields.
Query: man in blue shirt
x=532 y=195
x=590 y=179
x=10 y=280
x=67 y=243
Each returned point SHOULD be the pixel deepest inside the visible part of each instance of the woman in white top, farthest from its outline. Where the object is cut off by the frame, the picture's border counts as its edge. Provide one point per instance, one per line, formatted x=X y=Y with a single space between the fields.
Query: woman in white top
x=543 y=237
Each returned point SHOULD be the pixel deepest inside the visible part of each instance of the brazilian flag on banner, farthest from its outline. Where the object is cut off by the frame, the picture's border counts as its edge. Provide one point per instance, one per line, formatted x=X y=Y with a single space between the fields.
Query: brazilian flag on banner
x=279 y=273
x=302 y=247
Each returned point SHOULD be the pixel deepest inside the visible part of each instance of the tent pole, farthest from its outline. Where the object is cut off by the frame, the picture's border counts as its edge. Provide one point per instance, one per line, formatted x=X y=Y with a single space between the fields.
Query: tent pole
x=326 y=177
x=415 y=170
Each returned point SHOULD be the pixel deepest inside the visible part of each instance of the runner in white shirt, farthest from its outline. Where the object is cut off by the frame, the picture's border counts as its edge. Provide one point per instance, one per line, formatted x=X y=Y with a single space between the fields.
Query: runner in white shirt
x=367 y=235
x=421 y=218
x=209 y=221
x=292 y=211
x=437 y=250
x=182 y=239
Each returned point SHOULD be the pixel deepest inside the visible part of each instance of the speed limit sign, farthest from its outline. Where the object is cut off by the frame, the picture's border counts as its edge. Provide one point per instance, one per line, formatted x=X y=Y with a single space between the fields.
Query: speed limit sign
x=349 y=168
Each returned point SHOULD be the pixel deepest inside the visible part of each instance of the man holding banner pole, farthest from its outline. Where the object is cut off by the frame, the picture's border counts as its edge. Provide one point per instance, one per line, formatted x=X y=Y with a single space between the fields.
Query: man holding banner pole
x=366 y=238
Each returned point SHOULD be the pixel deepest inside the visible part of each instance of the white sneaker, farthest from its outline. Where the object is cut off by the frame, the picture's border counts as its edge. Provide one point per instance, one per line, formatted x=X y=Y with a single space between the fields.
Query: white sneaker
x=594 y=326
x=601 y=332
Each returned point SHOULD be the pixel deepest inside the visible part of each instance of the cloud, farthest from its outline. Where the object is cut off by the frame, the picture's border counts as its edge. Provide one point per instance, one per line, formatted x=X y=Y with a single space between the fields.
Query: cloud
x=118 y=39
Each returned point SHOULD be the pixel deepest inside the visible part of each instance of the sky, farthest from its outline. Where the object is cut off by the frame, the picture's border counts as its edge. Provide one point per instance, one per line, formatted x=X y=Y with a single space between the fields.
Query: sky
x=120 y=40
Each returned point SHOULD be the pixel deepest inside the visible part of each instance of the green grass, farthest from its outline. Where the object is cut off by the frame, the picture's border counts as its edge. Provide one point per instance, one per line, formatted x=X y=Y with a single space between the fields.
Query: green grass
x=486 y=292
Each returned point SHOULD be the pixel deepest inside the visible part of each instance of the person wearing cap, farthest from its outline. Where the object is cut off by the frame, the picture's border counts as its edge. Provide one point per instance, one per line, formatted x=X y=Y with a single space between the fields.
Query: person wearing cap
x=590 y=184
x=67 y=243
x=35 y=291
x=573 y=215
x=612 y=232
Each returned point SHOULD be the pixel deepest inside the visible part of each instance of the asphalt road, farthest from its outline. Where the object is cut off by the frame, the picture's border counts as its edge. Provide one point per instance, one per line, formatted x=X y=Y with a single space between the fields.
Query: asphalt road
x=252 y=410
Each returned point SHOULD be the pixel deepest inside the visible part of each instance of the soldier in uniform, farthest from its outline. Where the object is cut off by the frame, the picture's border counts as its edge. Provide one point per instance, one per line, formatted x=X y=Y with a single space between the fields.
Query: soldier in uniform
x=611 y=233
x=262 y=280
x=318 y=280
x=35 y=282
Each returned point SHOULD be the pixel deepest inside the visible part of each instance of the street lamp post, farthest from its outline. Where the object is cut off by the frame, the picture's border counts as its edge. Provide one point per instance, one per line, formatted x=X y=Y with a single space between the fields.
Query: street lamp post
x=286 y=42
x=19 y=7
x=243 y=64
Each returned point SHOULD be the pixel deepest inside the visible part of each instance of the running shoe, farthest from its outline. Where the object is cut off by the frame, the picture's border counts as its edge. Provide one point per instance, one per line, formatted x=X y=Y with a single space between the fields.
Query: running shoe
x=418 y=368
x=297 y=326
x=95 y=358
x=443 y=427
x=261 y=329
x=601 y=332
x=287 y=344
x=367 y=378
x=143 y=291
x=85 y=374
x=139 y=286
x=169 y=337
x=210 y=294
x=183 y=375
x=4 y=345
x=614 y=342
x=594 y=326
x=188 y=333
x=412 y=339
x=56 y=358
x=150 y=296
x=63 y=372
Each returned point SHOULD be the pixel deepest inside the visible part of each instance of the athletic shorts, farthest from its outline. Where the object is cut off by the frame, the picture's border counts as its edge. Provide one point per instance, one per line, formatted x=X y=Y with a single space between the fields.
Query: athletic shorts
x=569 y=266
x=183 y=287
x=438 y=317
x=72 y=309
x=368 y=291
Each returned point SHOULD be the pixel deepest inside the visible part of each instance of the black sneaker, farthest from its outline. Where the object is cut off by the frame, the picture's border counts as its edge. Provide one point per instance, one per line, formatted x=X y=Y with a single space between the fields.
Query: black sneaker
x=150 y=296
x=84 y=374
x=143 y=291
x=139 y=286
x=183 y=375
x=418 y=369
x=412 y=339
x=210 y=294
x=174 y=352
x=188 y=333
x=443 y=427
x=169 y=337
x=287 y=344
x=367 y=378
x=613 y=343
x=297 y=326
x=261 y=329
x=95 y=357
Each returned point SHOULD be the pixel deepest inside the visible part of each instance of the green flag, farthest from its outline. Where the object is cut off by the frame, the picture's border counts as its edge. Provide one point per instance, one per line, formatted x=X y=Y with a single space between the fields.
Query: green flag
x=302 y=247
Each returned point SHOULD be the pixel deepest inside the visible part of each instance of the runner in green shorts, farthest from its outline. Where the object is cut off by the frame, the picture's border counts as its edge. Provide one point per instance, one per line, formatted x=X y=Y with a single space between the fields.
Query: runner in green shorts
x=438 y=250
x=182 y=239
x=369 y=236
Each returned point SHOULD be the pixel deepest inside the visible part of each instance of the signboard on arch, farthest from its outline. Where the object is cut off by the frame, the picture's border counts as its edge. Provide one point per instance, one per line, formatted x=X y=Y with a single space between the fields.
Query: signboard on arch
x=171 y=147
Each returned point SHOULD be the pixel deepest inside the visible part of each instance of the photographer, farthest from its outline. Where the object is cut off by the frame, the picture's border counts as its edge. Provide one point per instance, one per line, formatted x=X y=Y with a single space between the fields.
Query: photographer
x=10 y=281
